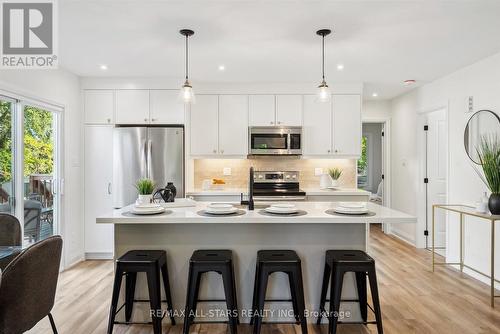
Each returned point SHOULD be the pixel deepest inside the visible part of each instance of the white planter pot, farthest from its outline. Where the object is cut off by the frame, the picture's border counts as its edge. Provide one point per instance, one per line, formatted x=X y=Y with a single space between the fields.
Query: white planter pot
x=144 y=199
x=335 y=183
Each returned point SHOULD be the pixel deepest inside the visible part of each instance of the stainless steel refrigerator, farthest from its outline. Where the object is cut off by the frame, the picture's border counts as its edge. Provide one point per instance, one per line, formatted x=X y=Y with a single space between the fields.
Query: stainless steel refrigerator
x=146 y=152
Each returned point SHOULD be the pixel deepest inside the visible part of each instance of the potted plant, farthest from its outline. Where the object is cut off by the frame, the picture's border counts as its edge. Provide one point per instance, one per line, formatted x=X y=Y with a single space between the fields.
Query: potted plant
x=145 y=188
x=335 y=174
x=489 y=156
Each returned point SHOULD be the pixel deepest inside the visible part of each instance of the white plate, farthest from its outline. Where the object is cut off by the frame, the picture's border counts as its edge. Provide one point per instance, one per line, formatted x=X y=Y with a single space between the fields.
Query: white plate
x=220 y=206
x=151 y=211
x=353 y=205
x=221 y=211
x=332 y=188
x=283 y=206
x=147 y=206
x=347 y=211
x=272 y=209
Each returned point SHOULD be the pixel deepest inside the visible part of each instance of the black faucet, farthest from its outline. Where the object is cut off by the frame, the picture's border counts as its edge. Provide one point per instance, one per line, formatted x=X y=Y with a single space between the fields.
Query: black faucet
x=250 y=190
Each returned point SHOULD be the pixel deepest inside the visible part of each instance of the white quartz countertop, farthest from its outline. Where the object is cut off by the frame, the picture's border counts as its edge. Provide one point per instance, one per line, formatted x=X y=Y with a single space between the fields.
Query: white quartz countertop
x=309 y=191
x=315 y=215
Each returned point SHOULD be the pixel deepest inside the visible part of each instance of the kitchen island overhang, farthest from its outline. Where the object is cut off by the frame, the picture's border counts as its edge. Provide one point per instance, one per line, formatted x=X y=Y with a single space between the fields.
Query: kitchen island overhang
x=182 y=231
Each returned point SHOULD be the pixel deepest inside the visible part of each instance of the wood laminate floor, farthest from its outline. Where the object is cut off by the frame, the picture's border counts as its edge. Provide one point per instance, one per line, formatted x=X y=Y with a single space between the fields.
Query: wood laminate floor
x=414 y=300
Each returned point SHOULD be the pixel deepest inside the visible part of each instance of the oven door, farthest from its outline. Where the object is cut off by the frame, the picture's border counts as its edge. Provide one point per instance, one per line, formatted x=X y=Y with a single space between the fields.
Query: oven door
x=274 y=141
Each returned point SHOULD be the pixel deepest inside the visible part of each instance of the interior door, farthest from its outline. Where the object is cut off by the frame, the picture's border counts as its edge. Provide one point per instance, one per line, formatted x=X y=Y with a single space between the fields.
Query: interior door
x=165 y=152
x=437 y=153
x=129 y=163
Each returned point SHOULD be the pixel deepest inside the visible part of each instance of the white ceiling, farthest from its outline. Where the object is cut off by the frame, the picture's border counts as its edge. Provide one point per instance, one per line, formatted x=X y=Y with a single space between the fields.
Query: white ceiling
x=380 y=43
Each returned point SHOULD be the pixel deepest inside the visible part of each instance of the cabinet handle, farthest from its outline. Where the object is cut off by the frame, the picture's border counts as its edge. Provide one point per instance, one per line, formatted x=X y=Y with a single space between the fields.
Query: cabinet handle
x=329 y=151
x=153 y=119
x=109 y=120
x=271 y=122
x=215 y=151
x=109 y=188
x=279 y=122
x=145 y=120
x=336 y=151
x=222 y=151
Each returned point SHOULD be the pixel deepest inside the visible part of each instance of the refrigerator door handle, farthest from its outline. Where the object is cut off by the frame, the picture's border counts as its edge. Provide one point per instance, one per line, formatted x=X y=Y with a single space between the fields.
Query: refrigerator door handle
x=144 y=160
x=148 y=159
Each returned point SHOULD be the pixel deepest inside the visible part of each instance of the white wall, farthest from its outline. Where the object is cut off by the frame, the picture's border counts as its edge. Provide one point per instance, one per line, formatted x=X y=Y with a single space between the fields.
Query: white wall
x=376 y=110
x=479 y=80
x=62 y=88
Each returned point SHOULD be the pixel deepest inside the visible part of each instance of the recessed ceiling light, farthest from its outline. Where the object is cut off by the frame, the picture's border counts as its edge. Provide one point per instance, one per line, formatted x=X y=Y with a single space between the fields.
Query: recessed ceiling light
x=409 y=82
x=222 y=67
x=340 y=67
x=374 y=94
x=103 y=67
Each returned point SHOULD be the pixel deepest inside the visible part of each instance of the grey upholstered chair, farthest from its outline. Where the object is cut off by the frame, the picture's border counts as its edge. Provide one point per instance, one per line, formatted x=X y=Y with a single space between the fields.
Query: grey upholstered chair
x=10 y=230
x=10 y=235
x=28 y=287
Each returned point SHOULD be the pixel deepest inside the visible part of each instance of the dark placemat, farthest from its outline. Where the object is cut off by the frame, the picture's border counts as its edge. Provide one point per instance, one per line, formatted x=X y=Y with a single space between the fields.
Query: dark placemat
x=206 y=214
x=333 y=213
x=130 y=214
x=295 y=214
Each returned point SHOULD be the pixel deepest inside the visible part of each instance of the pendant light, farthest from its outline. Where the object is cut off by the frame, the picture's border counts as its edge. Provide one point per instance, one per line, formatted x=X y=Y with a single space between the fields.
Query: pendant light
x=324 y=94
x=186 y=93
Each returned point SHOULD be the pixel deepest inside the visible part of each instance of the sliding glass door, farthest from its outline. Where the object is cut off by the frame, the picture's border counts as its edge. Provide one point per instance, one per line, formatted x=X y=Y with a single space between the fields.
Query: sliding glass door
x=29 y=166
x=40 y=173
x=7 y=156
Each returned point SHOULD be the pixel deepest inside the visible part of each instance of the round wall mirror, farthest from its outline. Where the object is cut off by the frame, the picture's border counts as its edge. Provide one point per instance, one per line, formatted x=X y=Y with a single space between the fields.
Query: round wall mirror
x=482 y=124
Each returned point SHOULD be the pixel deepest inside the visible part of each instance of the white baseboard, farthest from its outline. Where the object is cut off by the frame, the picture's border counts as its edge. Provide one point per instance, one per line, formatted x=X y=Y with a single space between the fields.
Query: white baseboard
x=99 y=256
x=403 y=236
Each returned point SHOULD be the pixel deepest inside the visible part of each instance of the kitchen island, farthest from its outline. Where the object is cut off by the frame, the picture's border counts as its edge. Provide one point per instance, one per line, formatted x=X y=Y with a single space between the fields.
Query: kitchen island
x=180 y=231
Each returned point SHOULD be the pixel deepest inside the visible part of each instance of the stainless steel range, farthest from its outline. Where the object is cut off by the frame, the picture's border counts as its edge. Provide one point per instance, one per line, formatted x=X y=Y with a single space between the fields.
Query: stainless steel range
x=276 y=186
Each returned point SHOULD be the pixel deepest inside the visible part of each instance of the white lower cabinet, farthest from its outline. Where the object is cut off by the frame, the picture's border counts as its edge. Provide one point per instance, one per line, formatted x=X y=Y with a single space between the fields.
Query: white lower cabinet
x=98 y=174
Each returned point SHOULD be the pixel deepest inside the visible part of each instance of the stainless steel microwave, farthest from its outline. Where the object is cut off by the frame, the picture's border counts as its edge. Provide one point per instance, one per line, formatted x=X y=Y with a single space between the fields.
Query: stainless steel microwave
x=275 y=140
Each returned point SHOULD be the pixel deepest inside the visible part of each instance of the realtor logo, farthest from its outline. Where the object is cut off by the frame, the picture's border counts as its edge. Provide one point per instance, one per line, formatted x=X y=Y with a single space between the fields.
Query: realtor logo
x=28 y=34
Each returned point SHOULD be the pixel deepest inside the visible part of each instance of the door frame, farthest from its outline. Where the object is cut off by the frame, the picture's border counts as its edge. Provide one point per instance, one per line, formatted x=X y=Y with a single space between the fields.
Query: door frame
x=21 y=100
x=386 y=160
x=421 y=190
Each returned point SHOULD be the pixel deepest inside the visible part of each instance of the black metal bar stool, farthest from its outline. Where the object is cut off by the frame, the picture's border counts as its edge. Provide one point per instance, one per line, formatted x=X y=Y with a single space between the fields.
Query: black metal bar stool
x=219 y=261
x=337 y=263
x=150 y=262
x=285 y=261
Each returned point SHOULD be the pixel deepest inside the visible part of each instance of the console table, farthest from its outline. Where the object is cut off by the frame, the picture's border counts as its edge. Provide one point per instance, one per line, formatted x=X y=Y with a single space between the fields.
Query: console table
x=465 y=210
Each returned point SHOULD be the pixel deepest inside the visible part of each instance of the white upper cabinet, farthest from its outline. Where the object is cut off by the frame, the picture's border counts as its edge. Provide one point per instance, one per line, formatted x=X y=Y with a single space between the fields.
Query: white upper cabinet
x=233 y=124
x=99 y=106
x=132 y=106
x=165 y=108
x=204 y=125
x=289 y=110
x=347 y=125
x=262 y=109
x=317 y=128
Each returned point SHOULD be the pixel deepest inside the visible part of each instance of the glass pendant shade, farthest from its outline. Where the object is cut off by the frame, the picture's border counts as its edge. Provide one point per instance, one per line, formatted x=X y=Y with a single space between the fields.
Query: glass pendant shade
x=324 y=94
x=186 y=93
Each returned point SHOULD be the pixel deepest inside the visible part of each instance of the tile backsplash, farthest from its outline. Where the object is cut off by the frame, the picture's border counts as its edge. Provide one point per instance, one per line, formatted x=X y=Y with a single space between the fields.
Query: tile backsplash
x=214 y=168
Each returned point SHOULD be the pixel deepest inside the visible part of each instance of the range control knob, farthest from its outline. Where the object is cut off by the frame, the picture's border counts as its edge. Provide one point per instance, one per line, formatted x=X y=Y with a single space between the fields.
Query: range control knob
x=288 y=176
x=261 y=176
x=294 y=176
